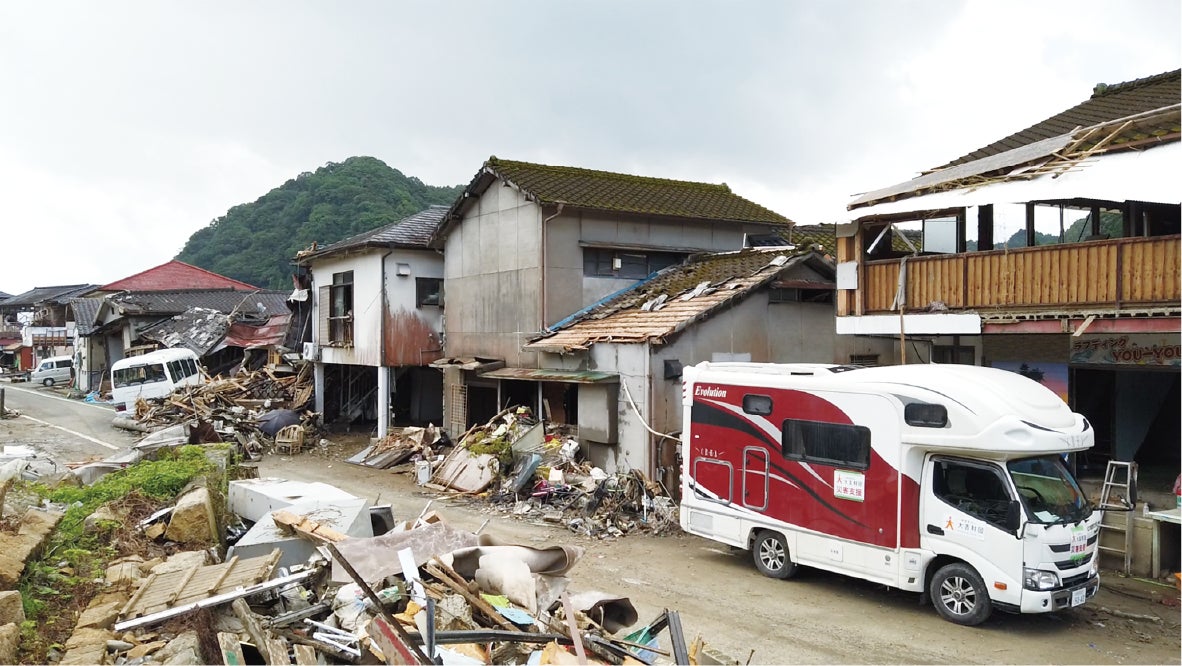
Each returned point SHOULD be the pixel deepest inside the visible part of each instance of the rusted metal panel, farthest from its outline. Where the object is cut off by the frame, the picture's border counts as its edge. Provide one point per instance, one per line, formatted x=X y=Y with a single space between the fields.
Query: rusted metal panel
x=409 y=339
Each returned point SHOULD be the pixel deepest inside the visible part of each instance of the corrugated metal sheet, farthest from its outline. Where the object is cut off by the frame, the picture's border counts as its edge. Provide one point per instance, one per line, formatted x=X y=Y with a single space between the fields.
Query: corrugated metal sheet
x=248 y=336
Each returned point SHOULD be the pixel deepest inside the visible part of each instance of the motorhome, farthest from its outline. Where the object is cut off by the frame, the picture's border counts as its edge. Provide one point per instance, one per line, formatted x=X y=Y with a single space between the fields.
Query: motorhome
x=152 y=375
x=947 y=480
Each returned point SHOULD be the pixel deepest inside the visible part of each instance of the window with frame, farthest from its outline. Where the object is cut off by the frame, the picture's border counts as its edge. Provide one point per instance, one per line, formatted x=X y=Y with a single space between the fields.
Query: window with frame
x=834 y=444
x=629 y=264
x=799 y=295
x=864 y=360
x=949 y=354
x=977 y=490
x=340 y=309
x=428 y=292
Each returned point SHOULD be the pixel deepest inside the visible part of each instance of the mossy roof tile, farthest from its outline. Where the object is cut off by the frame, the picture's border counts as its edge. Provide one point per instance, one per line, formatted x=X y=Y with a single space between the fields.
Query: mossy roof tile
x=605 y=190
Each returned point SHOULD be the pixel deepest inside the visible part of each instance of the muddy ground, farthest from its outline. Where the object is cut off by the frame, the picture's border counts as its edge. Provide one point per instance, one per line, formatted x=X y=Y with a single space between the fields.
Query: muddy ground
x=818 y=617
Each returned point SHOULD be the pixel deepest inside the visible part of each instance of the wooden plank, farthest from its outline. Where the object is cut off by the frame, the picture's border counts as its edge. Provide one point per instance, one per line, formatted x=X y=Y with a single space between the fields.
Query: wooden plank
x=307 y=528
x=222 y=578
x=252 y=625
x=305 y=655
x=455 y=581
x=231 y=649
x=277 y=652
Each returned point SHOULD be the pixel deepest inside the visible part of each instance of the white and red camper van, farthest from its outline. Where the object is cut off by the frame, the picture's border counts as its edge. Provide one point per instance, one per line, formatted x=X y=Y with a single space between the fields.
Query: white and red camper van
x=947 y=480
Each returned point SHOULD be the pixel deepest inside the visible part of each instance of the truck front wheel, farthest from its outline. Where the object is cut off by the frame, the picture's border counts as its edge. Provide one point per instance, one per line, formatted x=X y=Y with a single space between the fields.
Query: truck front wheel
x=959 y=595
x=770 y=553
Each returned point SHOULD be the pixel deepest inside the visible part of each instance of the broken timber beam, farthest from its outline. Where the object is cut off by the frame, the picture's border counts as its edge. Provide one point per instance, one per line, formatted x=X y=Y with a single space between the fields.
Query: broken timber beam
x=306 y=527
x=417 y=654
x=455 y=581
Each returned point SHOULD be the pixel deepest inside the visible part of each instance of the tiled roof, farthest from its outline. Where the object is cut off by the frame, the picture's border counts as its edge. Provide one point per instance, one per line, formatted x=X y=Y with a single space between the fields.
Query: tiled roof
x=4 y=295
x=618 y=192
x=176 y=275
x=86 y=312
x=413 y=231
x=39 y=295
x=678 y=296
x=1108 y=102
x=177 y=301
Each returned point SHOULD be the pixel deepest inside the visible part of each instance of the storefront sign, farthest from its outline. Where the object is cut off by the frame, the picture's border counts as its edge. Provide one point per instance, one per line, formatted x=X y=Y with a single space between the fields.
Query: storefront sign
x=1145 y=350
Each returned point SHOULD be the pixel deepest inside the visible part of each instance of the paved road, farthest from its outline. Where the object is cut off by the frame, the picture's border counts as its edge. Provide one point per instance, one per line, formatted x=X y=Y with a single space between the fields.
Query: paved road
x=67 y=430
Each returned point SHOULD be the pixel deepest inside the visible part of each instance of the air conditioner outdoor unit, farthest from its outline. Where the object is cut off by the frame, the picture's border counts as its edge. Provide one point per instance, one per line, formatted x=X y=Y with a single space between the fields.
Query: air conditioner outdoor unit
x=311 y=351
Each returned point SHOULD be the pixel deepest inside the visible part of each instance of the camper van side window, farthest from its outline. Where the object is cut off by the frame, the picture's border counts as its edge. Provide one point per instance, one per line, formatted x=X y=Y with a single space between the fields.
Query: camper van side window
x=760 y=405
x=836 y=444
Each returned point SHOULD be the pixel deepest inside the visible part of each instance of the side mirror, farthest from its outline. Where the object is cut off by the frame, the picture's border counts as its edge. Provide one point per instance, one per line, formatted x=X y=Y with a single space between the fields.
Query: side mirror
x=1013 y=516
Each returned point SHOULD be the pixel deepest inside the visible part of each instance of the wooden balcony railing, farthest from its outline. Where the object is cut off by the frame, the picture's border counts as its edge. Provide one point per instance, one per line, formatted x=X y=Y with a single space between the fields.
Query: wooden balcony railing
x=1121 y=273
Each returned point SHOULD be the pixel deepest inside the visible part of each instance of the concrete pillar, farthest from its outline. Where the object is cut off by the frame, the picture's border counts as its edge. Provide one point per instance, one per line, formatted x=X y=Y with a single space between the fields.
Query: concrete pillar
x=383 y=402
x=318 y=385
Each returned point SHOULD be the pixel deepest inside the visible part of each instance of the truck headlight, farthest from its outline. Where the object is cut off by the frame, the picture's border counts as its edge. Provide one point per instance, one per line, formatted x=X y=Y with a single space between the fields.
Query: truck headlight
x=1037 y=579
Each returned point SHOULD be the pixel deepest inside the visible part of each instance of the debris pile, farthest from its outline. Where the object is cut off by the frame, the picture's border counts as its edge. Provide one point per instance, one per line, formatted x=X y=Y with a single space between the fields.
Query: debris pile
x=401 y=445
x=531 y=470
x=252 y=408
x=324 y=586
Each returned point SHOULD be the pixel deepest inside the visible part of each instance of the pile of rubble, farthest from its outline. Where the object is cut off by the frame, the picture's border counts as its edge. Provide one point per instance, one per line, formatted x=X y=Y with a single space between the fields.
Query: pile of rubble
x=529 y=469
x=321 y=576
x=251 y=408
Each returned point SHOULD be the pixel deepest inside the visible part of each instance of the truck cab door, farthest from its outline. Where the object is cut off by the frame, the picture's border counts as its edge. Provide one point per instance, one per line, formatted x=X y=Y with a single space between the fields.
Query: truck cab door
x=963 y=513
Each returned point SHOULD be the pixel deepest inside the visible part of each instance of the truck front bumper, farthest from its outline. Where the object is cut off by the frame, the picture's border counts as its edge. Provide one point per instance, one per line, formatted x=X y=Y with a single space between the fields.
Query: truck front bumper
x=1057 y=600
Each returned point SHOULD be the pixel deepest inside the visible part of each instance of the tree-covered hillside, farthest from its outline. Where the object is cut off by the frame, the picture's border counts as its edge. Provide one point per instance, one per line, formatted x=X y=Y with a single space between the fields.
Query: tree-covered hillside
x=255 y=242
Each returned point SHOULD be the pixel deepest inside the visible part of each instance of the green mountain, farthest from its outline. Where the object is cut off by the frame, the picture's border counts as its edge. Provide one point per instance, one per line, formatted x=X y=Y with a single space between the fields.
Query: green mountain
x=255 y=242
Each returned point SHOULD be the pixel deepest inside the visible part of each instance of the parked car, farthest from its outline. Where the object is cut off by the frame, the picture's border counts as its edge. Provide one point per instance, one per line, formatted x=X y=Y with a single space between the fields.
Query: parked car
x=53 y=370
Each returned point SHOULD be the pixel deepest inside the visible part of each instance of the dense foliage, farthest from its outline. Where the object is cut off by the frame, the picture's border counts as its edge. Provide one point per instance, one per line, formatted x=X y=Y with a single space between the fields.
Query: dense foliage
x=255 y=242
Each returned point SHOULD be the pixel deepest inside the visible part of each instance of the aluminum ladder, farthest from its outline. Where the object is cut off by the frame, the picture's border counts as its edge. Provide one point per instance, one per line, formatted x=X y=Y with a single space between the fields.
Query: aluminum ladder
x=1116 y=496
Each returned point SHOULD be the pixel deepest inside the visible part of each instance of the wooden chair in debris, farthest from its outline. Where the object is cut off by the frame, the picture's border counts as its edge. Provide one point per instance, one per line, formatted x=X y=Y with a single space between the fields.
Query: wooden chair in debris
x=290 y=439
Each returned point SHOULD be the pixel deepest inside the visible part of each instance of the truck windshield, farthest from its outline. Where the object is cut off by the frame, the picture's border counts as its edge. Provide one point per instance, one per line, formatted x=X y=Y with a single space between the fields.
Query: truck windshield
x=1048 y=490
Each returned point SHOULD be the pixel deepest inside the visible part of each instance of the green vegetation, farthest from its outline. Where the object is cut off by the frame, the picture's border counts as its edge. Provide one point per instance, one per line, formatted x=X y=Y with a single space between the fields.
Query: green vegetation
x=1111 y=223
x=69 y=572
x=256 y=242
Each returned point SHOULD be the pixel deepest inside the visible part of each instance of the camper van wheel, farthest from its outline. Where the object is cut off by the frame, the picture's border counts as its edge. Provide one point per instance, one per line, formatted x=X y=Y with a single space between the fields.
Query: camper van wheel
x=959 y=594
x=48 y=381
x=770 y=553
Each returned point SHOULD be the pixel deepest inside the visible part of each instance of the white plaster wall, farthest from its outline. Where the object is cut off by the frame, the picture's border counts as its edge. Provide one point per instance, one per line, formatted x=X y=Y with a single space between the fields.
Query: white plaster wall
x=401 y=291
x=367 y=308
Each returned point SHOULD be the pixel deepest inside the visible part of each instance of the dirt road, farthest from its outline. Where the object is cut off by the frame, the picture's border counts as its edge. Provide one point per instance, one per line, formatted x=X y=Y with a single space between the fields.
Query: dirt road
x=816 y=618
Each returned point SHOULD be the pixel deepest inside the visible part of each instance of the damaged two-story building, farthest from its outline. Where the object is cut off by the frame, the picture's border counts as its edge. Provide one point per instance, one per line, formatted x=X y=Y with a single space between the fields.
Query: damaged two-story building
x=528 y=245
x=377 y=308
x=1053 y=252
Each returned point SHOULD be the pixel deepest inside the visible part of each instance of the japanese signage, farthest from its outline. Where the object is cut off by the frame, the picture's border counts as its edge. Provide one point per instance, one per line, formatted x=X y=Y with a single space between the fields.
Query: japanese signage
x=849 y=485
x=965 y=526
x=1140 y=349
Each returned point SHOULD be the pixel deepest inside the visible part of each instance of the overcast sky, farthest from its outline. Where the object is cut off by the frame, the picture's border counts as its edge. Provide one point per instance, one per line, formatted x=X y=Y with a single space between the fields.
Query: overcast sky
x=127 y=126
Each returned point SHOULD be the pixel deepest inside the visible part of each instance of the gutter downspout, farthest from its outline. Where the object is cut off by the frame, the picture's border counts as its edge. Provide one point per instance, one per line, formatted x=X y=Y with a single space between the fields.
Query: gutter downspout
x=383 y=372
x=543 y=311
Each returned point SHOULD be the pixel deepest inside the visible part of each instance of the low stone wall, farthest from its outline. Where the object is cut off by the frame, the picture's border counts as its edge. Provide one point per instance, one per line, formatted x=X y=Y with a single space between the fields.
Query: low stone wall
x=35 y=528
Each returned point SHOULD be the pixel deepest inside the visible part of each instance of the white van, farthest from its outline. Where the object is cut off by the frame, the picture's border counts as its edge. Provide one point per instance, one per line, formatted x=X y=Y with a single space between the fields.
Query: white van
x=152 y=375
x=57 y=369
